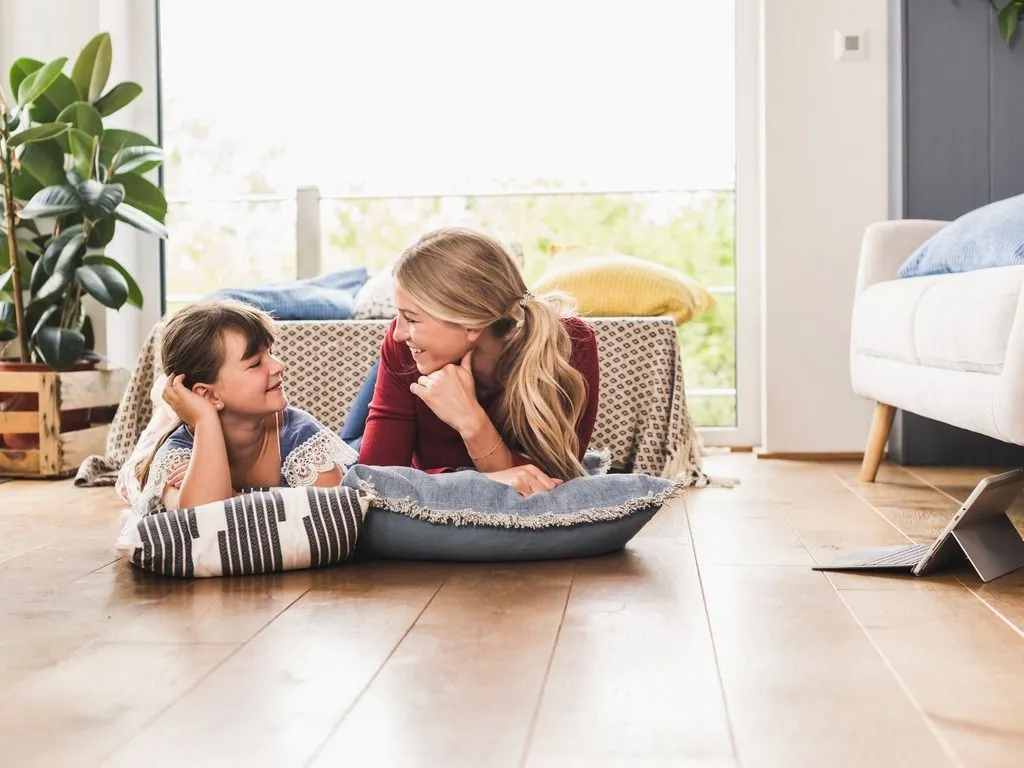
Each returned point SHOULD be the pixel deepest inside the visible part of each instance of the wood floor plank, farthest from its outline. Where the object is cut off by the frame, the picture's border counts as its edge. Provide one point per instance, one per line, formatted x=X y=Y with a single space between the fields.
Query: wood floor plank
x=76 y=712
x=918 y=510
x=783 y=635
x=462 y=688
x=942 y=646
x=42 y=632
x=838 y=522
x=52 y=534
x=753 y=659
x=281 y=695
x=634 y=679
x=803 y=683
x=743 y=531
x=961 y=662
x=216 y=610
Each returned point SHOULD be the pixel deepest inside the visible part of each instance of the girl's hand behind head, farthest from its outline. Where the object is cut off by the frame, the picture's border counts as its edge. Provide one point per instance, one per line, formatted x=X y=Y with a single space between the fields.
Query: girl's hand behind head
x=189 y=406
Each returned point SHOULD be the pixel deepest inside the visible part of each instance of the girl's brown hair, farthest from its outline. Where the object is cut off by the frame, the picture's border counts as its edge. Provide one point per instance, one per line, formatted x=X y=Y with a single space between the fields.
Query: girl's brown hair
x=192 y=344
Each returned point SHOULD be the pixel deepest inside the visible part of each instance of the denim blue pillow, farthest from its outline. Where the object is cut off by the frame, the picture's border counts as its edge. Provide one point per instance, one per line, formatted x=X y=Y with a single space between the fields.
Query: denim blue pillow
x=466 y=516
x=990 y=236
x=327 y=297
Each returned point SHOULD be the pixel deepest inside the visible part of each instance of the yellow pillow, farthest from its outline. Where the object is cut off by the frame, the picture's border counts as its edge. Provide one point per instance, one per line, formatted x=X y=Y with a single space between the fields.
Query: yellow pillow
x=609 y=284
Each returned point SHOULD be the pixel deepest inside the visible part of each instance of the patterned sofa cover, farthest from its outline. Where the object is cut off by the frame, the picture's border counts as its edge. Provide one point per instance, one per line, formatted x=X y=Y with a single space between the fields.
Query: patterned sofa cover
x=642 y=419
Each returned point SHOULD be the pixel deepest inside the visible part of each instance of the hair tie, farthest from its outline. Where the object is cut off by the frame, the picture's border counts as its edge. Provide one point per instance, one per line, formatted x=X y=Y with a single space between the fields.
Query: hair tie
x=528 y=296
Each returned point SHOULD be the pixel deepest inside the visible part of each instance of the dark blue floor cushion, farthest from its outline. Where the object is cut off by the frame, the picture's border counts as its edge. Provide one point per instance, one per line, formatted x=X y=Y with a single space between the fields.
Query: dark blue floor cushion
x=466 y=516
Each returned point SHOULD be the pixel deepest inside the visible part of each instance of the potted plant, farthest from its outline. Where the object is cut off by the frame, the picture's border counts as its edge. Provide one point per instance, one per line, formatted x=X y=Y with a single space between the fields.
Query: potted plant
x=1008 y=17
x=68 y=181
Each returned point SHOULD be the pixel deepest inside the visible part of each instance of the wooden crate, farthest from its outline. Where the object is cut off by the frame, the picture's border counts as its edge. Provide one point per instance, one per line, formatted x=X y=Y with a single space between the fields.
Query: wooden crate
x=60 y=452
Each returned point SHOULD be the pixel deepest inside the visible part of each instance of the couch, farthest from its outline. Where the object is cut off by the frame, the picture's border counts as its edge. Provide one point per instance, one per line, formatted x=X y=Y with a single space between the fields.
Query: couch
x=948 y=347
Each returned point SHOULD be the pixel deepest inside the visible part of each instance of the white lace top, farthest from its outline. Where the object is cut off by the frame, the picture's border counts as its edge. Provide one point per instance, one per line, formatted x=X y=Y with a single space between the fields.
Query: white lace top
x=307 y=447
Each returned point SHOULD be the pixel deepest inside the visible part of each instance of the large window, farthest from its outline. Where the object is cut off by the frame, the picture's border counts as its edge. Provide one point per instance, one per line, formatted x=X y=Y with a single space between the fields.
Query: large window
x=545 y=122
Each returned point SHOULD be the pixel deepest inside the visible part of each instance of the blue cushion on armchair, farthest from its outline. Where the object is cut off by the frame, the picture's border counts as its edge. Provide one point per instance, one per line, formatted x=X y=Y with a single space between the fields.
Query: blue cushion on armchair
x=990 y=236
x=467 y=516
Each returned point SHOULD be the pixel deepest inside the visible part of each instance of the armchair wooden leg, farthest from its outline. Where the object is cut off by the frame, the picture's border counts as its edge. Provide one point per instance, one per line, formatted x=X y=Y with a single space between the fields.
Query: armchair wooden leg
x=881 y=423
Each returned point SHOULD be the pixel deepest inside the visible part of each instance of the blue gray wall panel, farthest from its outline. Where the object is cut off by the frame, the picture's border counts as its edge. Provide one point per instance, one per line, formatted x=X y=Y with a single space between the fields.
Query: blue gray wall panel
x=960 y=91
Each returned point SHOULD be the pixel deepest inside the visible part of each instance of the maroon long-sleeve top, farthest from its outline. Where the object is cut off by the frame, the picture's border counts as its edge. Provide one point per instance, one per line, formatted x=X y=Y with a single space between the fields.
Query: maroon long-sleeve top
x=402 y=431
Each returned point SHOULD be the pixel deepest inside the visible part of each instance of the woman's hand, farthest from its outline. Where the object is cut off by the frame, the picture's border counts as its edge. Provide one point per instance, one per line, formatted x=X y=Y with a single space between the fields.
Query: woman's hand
x=526 y=479
x=451 y=394
x=186 y=404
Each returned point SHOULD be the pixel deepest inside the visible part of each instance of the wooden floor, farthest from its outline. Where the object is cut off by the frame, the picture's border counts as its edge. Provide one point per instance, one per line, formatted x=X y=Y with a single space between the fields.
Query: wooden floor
x=708 y=642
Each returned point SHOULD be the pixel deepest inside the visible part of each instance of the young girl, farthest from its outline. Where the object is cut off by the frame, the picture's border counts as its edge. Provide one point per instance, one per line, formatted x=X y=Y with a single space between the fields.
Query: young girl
x=236 y=429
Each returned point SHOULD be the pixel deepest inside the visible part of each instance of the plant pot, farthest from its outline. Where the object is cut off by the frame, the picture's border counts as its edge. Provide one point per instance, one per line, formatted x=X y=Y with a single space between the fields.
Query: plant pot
x=80 y=418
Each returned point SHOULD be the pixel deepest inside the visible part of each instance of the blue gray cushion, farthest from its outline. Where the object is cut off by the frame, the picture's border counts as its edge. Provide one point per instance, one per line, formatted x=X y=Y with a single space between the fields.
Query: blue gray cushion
x=990 y=236
x=466 y=516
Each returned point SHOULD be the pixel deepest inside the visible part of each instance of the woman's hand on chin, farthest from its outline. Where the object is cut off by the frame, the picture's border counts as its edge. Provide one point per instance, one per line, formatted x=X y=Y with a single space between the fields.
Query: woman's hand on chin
x=451 y=394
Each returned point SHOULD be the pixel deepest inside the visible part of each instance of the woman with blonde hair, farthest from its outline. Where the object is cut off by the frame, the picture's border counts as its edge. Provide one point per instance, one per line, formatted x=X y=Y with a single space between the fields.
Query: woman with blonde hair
x=476 y=372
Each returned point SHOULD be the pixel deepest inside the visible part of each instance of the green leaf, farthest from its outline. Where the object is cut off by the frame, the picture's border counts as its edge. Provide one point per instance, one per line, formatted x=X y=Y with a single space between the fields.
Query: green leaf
x=102 y=232
x=5 y=259
x=33 y=86
x=103 y=283
x=53 y=288
x=44 y=319
x=1008 y=19
x=20 y=69
x=114 y=140
x=57 y=97
x=84 y=117
x=56 y=246
x=45 y=162
x=140 y=220
x=8 y=322
x=34 y=311
x=60 y=347
x=134 y=291
x=121 y=95
x=52 y=201
x=25 y=186
x=71 y=254
x=134 y=158
x=38 y=133
x=99 y=200
x=61 y=93
x=38 y=278
x=27 y=246
x=80 y=145
x=92 y=68
x=89 y=334
x=141 y=193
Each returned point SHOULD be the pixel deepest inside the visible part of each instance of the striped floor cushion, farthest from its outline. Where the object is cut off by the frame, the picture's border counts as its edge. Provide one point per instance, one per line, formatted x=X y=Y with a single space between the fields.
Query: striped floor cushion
x=278 y=529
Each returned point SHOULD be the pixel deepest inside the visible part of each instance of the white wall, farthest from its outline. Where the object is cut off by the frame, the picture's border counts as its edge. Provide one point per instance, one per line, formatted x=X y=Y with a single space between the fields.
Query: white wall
x=826 y=176
x=47 y=29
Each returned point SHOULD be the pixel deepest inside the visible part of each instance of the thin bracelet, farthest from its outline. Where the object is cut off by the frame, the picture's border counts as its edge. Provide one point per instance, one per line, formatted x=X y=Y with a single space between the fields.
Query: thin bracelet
x=485 y=455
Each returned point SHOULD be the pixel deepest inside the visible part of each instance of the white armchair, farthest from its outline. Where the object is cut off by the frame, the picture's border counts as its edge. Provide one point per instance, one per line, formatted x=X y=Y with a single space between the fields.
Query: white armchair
x=948 y=347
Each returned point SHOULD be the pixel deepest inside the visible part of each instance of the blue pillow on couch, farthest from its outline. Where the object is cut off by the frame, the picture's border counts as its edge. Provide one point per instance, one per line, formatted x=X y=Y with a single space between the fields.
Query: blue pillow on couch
x=328 y=297
x=990 y=236
x=466 y=516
